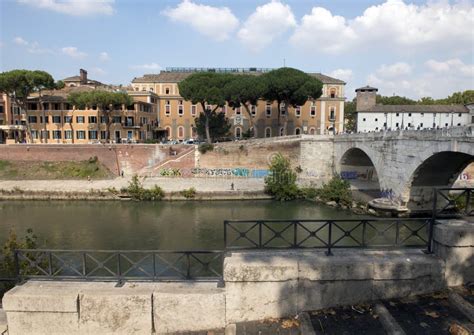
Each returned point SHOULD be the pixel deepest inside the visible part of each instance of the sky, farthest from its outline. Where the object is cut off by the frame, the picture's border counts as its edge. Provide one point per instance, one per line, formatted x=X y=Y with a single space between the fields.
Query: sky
x=407 y=48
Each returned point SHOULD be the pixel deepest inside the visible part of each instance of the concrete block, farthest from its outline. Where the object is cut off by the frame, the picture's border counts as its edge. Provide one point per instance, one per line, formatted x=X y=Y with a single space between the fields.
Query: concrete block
x=37 y=296
x=337 y=267
x=388 y=289
x=188 y=307
x=118 y=312
x=454 y=233
x=313 y=295
x=257 y=301
x=406 y=267
x=47 y=323
x=459 y=263
x=259 y=266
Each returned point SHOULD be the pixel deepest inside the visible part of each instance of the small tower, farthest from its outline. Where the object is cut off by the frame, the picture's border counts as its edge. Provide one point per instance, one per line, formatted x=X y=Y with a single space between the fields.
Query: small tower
x=365 y=98
x=83 y=76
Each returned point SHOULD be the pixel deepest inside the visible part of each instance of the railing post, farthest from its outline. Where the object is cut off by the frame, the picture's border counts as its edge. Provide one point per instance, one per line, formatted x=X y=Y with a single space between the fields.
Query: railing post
x=329 y=253
x=397 y=232
x=260 y=224
x=50 y=260
x=430 y=236
x=119 y=269
x=188 y=267
x=225 y=233
x=84 y=265
x=435 y=202
x=364 y=228
x=17 y=266
x=295 y=234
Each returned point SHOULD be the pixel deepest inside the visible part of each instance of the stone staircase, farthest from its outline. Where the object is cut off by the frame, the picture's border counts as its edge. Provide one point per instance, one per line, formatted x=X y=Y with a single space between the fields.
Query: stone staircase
x=153 y=171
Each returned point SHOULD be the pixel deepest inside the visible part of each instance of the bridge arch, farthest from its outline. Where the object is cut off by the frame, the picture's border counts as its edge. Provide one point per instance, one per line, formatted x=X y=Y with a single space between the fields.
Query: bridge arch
x=441 y=169
x=358 y=168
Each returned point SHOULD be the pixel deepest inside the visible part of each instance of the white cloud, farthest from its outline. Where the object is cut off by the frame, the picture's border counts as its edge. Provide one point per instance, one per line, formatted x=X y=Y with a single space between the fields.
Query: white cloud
x=73 y=52
x=393 y=24
x=31 y=47
x=342 y=74
x=20 y=41
x=321 y=30
x=441 y=80
x=74 y=7
x=215 y=22
x=394 y=70
x=104 y=56
x=150 y=66
x=97 y=71
x=265 y=24
x=453 y=66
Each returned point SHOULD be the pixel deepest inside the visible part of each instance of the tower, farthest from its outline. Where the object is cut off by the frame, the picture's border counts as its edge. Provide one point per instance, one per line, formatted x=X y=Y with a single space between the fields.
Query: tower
x=366 y=98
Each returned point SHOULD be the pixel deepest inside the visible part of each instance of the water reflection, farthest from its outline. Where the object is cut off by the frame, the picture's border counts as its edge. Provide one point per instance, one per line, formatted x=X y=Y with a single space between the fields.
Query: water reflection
x=133 y=225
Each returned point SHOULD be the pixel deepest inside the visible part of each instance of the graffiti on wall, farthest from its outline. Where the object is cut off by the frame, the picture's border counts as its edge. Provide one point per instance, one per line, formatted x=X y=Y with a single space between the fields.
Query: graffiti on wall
x=213 y=172
x=368 y=174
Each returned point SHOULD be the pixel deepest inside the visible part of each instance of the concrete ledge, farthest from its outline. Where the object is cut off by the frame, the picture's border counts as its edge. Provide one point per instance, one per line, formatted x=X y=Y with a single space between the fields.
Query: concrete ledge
x=454 y=233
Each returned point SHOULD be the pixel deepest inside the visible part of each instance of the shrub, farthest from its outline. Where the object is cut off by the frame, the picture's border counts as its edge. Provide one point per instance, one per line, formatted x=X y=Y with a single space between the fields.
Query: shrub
x=281 y=182
x=205 y=147
x=189 y=193
x=309 y=193
x=337 y=190
x=137 y=192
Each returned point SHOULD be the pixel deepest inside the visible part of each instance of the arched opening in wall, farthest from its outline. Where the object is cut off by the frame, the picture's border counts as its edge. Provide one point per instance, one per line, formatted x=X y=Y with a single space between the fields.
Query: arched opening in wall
x=297 y=131
x=358 y=169
x=238 y=132
x=444 y=169
x=168 y=132
x=180 y=132
x=268 y=132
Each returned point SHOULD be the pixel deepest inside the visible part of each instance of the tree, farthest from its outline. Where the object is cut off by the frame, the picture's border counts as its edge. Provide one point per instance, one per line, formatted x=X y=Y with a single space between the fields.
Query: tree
x=394 y=100
x=281 y=182
x=206 y=89
x=245 y=90
x=218 y=125
x=350 y=114
x=290 y=87
x=20 y=84
x=104 y=100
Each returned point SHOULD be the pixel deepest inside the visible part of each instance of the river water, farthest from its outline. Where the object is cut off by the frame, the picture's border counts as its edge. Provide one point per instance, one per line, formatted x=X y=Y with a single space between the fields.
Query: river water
x=162 y=225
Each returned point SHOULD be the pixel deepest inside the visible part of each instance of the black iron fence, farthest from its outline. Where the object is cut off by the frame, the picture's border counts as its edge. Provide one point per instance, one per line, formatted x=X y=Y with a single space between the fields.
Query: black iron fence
x=328 y=234
x=453 y=202
x=114 y=265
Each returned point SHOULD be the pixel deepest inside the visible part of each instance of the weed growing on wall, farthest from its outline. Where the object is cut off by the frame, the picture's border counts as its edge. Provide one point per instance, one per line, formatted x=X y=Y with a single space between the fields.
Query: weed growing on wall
x=281 y=182
x=189 y=193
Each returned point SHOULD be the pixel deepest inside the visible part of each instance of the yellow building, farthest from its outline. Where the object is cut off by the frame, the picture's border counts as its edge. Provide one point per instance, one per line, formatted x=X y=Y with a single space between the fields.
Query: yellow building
x=60 y=122
x=12 y=129
x=322 y=116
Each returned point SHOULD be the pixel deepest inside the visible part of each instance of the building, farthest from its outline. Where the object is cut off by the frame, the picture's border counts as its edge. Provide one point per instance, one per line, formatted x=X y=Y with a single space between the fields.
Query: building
x=12 y=130
x=322 y=116
x=60 y=122
x=81 y=80
x=374 y=117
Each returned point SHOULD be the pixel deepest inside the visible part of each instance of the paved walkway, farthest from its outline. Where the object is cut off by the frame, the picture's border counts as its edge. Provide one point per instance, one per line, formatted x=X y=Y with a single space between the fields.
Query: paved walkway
x=169 y=184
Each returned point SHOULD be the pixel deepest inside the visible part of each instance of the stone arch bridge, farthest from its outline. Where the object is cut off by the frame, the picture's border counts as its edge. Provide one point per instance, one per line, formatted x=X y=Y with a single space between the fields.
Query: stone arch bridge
x=404 y=165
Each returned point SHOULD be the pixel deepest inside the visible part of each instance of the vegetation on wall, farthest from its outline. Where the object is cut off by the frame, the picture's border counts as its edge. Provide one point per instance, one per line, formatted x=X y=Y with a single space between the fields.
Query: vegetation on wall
x=137 y=192
x=281 y=181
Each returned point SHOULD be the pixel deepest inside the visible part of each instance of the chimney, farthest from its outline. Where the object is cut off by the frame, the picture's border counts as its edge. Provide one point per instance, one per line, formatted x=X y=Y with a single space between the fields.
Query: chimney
x=83 y=76
x=366 y=98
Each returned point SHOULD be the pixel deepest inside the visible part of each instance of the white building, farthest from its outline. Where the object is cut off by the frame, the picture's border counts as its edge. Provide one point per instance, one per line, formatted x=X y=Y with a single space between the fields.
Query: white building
x=373 y=117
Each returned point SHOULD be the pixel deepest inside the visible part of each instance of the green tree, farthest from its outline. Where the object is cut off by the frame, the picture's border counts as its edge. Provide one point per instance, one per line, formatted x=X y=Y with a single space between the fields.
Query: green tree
x=206 y=89
x=213 y=124
x=104 y=100
x=394 y=100
x=245 y=91
x=20 y=84
x=290 y=87
x=350 y=114
x=281 y=181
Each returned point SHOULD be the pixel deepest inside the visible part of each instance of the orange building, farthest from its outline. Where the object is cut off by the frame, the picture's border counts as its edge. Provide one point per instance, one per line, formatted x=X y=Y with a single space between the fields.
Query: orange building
x=322 y=116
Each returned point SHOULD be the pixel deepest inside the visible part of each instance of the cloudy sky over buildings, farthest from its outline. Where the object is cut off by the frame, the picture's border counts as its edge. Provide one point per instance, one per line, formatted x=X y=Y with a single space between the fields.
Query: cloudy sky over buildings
x=415 y=49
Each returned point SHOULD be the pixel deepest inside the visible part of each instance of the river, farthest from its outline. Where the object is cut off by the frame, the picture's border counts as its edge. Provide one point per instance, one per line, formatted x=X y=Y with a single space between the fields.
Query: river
x=162 y=225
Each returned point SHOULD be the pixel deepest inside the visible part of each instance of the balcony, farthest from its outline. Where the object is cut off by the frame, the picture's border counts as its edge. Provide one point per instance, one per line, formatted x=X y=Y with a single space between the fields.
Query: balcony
x=131 y=125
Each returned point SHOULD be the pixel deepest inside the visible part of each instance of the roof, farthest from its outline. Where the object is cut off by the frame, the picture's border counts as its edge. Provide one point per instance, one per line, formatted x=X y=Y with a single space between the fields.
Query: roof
x=176 y=77
x=367 y=88
x=73 y=78
x=417 y=109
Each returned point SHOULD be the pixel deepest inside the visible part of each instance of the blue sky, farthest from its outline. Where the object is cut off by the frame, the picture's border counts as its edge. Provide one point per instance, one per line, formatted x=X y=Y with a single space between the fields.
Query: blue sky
x=417 y=48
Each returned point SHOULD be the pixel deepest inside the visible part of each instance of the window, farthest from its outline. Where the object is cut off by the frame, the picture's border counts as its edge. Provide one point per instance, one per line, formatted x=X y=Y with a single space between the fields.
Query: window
x=81 y=135
x=92 y=119
x=385 y=124
x=409 y=114
x=313 y=110
x=459 y=114
x=57 y=134
x=445 y=124
x=397 y=124
x=238 y=110
x=333 y=93
x=45 y=134
x=409 y=125
x=1 y=109
x=167 y=108
x=312 y=131
x=117 y=119
x=282 y=131
x=46 y=119
x=34 y=134
x=332 y=114
x=193 y=110
x=268 y=110
x=253 y=110
x=103 y=135
x=68 y=119
x=297 y=131
x=459 y=124
x=92 y=134
x=180 y=131
x=103 y=119
x=32 y=119
x=56 y=106
x=268 y=132
x=298 y=111
x=168 y=132
x=180 y=110
x=56 y=119
x=282 y=109
x=376 y=119
x=68 y=134
x=238 y=132
x=167 y=90
x=421 y=125
x=363 y=119
x=79 y=119
x=398 y=114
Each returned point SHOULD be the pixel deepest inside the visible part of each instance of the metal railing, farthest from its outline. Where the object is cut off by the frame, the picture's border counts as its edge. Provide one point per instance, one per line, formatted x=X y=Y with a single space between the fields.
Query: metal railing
x=116 y=265
x=328 y=234
x=453 y=202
